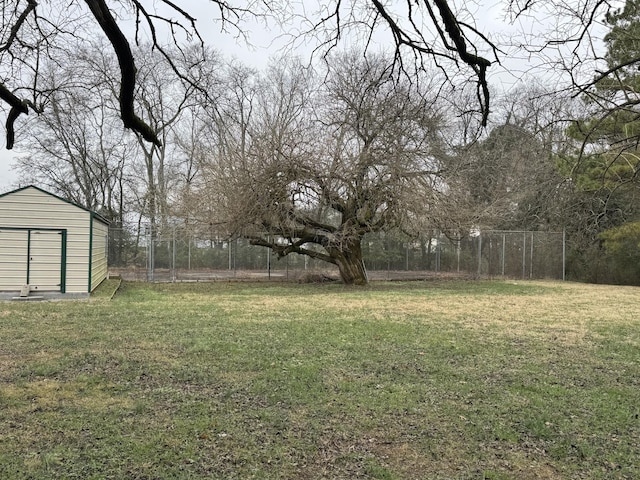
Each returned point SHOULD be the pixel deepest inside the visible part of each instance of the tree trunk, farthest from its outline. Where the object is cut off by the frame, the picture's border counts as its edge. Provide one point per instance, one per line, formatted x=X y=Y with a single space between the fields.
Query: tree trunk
x=350 y=263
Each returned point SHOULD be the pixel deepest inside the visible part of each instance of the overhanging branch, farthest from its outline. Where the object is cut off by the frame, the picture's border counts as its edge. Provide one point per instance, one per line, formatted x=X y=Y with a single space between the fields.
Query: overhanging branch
x=18 y=106
x=477 y=63
x=121 y=47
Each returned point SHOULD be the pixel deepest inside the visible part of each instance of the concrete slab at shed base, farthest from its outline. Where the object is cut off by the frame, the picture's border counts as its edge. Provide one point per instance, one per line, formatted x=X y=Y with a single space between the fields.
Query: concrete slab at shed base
x=51 y=296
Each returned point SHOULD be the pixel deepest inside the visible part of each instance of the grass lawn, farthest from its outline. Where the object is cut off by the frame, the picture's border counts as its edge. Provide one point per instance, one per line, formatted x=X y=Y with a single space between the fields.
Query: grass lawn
x=420 y=380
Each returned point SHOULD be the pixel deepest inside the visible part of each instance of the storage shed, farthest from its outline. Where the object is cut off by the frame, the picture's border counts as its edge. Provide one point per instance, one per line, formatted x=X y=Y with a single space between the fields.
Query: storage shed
x=50 y=244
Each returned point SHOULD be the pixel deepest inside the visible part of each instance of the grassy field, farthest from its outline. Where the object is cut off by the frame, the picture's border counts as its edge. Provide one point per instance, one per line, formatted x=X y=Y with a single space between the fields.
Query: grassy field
x=422 y=380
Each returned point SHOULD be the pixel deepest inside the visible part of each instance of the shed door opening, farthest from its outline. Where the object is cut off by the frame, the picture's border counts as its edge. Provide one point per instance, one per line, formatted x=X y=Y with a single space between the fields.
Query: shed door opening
x=33 y=256
x=45 y=262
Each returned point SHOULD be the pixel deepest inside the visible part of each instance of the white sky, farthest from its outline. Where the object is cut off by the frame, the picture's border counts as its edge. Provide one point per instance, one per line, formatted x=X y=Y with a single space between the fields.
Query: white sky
x=265 y=43
x=7 y=176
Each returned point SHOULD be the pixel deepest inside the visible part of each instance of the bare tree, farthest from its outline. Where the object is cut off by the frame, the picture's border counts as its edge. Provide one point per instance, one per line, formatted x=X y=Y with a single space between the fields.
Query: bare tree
x=311 y=168
x=165 y=100
x=31 y=32
x=78 y=148
x=510 y=174
x=422 y=34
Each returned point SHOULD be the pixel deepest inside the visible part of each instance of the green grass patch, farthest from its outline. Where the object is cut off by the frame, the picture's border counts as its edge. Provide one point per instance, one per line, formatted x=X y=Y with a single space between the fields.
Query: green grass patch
x=107 y=288
x=451 y=380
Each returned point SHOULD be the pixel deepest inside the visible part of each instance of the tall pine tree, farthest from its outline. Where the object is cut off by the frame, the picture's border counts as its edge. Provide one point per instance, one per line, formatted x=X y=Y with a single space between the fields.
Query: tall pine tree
x=606 y=166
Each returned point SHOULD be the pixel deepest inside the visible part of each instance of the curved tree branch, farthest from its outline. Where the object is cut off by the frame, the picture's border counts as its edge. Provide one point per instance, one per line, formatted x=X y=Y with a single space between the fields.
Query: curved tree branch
x=293 y=247
x=121 y=47
x=18 y=106
x=13 y=34
x=477 y=63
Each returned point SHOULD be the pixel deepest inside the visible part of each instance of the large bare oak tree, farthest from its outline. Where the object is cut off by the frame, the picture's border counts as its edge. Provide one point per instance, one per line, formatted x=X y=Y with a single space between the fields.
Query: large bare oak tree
x=310 y=167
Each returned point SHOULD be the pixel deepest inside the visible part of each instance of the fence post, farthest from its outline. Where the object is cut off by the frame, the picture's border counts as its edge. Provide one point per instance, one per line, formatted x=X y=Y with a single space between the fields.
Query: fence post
x=503 y=252
x=480 y=254
x=524 y=255
x=564 y=253
x=438 y=246
x=235 y=254
x=406 y=257
x=531 y=258
x=173 y=257
x=150 y=254
x=268 y=261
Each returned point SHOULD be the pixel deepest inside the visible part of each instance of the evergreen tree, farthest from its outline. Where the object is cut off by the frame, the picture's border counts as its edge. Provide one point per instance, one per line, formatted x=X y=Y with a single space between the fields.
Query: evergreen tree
x=606 y=165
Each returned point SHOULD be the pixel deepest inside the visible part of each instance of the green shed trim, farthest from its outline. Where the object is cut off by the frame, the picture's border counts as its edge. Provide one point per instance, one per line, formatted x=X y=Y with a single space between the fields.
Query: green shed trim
x=28 y=256
x=63 y=262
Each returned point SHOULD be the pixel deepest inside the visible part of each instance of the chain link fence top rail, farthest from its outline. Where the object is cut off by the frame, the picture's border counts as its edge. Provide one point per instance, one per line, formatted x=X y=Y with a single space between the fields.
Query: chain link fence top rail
x=181 y=255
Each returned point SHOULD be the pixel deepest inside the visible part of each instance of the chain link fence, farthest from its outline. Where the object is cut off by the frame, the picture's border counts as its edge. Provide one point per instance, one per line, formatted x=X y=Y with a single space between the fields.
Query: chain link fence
x=178 y=254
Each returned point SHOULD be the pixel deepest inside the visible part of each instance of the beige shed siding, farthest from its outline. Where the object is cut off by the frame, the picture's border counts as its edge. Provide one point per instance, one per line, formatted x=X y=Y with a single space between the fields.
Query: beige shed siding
x=32 y=208
x=13 y=257
x=45 y=254
x=99 y=253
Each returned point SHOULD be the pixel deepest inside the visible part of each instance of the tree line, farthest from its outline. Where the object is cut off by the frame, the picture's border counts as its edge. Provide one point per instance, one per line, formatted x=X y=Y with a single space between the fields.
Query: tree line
x=308 y=158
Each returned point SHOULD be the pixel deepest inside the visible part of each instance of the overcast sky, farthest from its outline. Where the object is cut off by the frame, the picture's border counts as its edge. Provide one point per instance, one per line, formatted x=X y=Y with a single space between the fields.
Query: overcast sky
x=7 y=177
